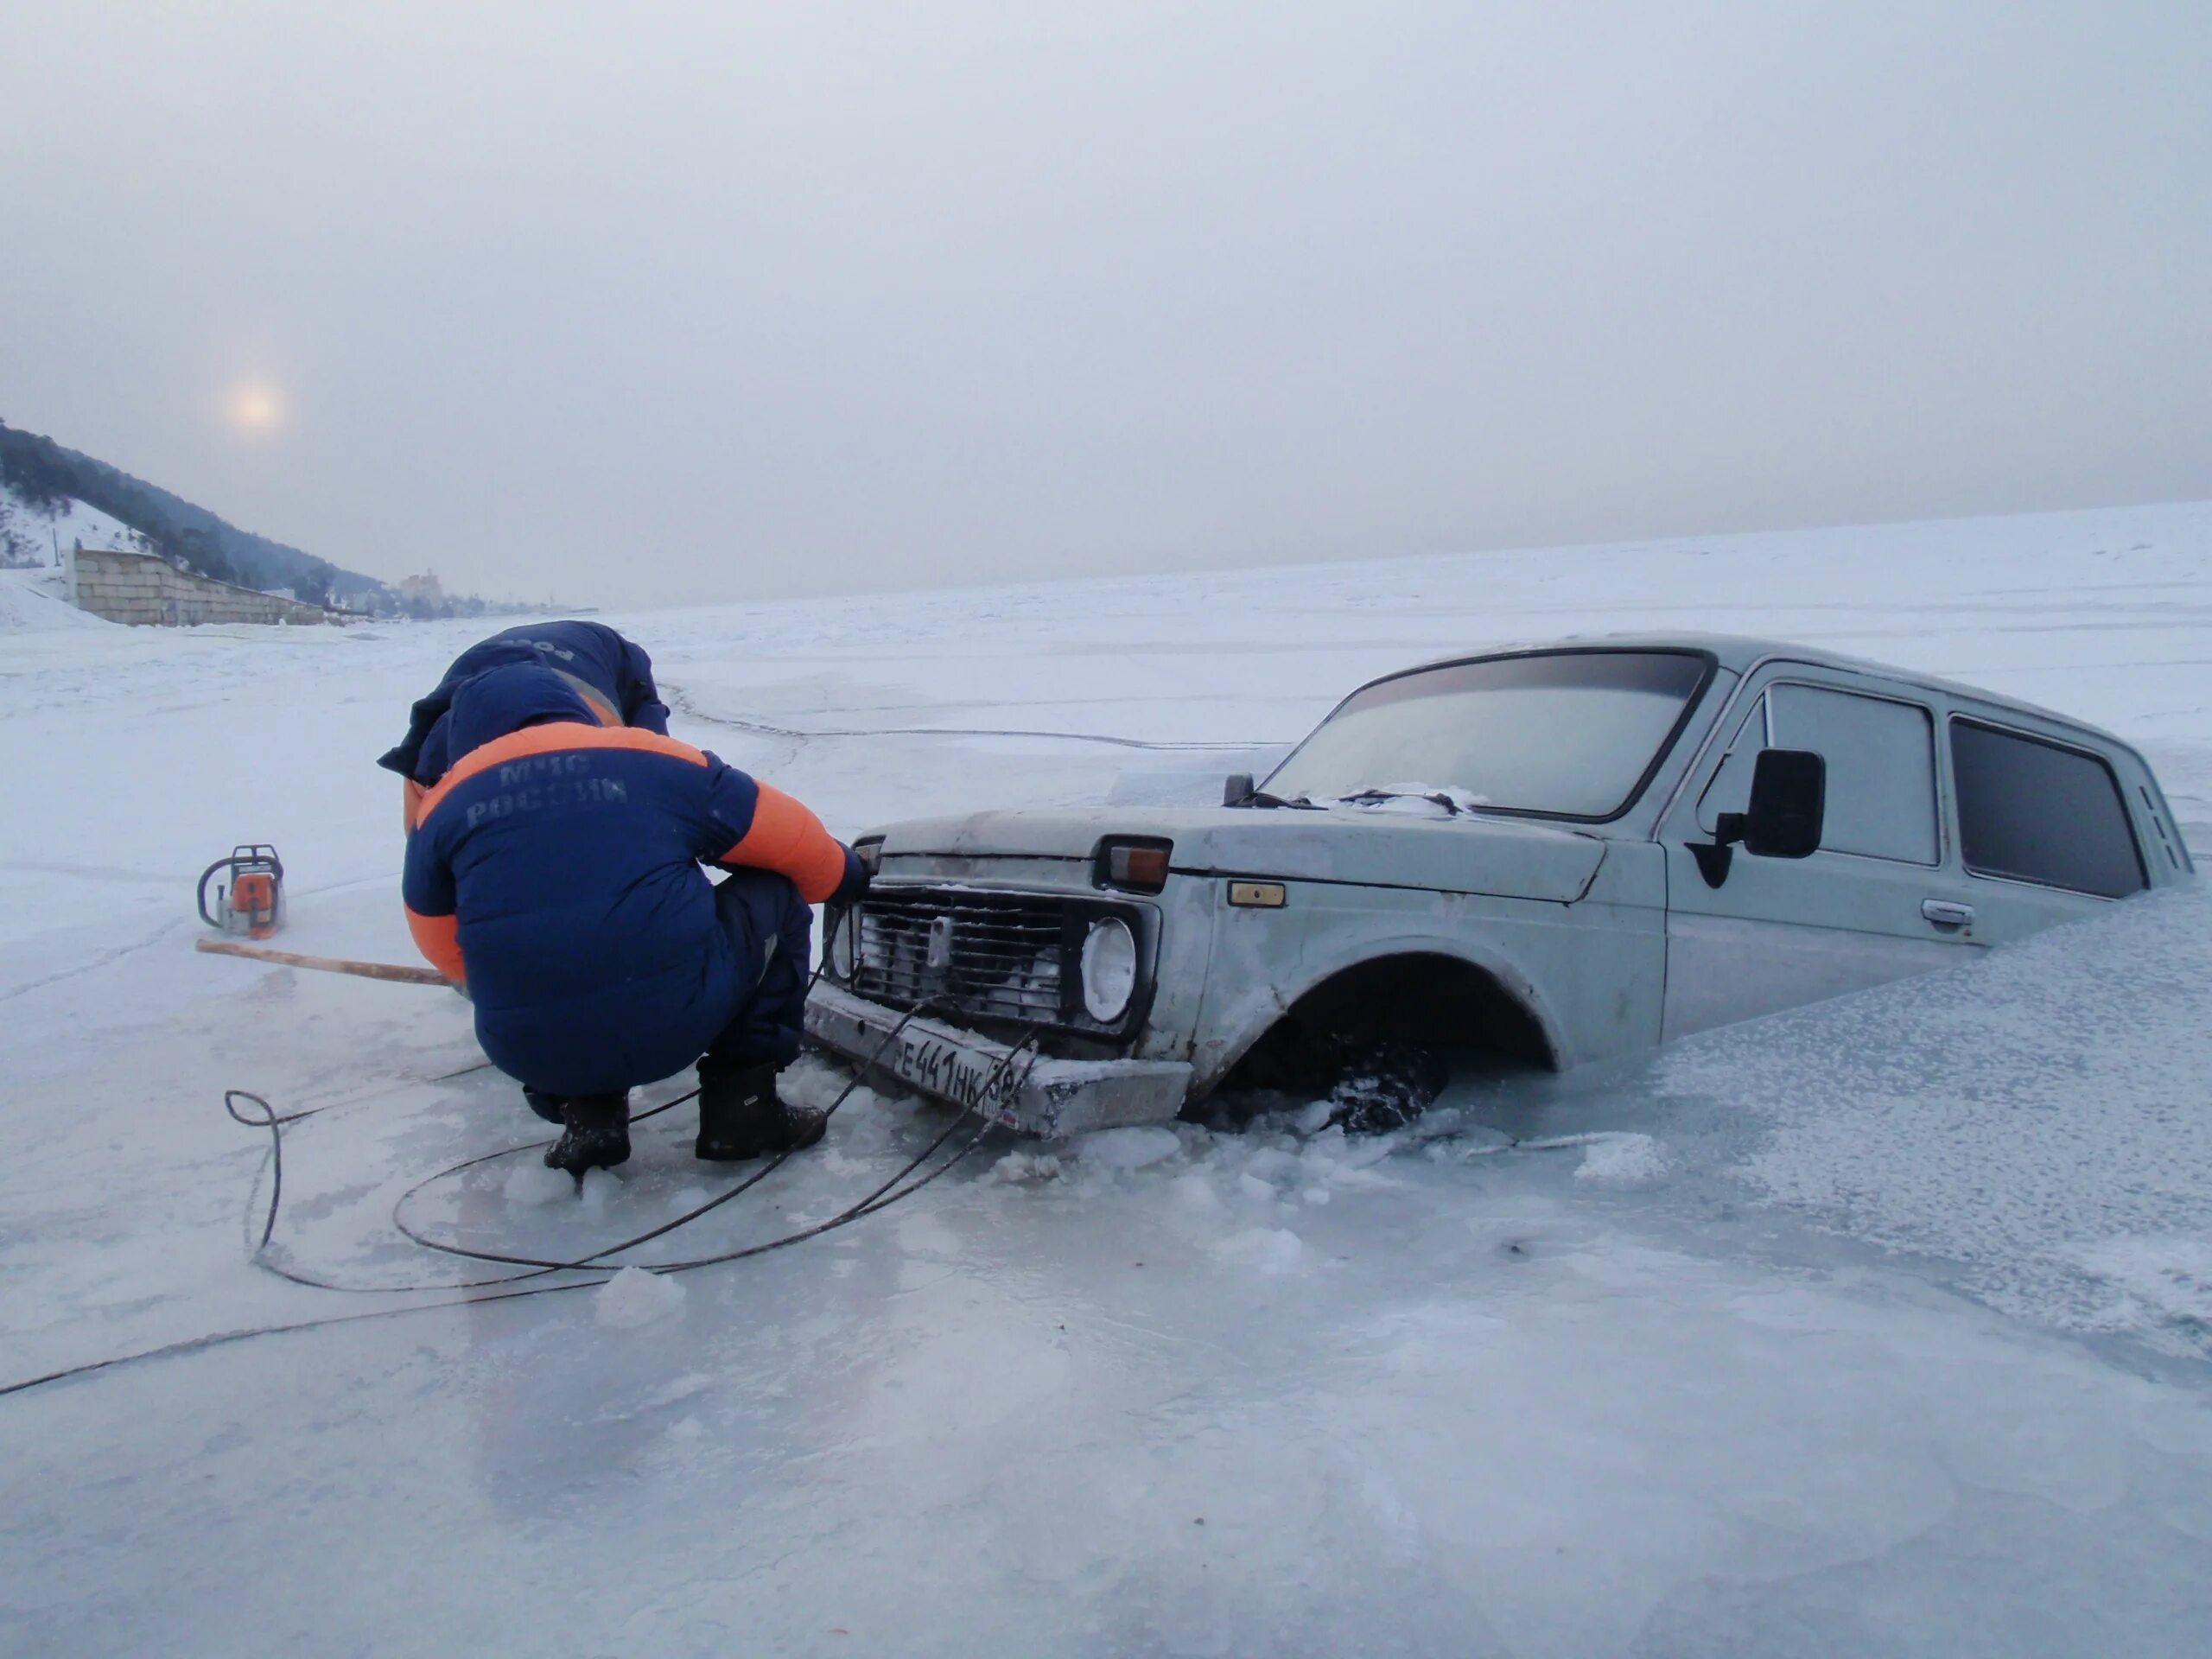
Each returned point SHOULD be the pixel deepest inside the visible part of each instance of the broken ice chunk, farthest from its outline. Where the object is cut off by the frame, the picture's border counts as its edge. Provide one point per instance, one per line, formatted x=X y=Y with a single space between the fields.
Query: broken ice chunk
x=634 y=1296
x=531 y=1182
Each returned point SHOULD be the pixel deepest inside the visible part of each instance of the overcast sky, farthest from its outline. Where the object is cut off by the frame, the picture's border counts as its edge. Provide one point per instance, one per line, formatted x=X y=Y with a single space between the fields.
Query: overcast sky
x=635 y=304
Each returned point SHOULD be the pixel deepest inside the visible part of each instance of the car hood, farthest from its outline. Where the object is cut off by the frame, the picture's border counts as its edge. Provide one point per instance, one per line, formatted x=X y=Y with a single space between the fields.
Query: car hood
x=1506 y=857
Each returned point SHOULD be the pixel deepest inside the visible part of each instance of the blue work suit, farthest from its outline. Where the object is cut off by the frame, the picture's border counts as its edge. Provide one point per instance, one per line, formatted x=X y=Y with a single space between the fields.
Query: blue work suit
x=555 y=871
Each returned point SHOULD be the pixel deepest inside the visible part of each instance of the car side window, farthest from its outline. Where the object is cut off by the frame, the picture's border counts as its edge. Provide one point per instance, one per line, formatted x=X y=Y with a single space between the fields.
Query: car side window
x=2029 y=810
x=1881 y=758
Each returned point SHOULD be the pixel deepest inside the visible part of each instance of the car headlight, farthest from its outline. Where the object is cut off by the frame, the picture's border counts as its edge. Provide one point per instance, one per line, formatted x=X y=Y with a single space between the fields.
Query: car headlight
x=1109 y=969
x=844 y=927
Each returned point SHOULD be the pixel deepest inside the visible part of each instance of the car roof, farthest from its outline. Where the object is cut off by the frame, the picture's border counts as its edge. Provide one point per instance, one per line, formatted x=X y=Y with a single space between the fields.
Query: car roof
x=1740 y=653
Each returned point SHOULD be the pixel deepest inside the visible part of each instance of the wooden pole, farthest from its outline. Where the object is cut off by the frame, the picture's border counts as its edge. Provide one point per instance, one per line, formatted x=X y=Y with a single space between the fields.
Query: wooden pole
x=389 y=970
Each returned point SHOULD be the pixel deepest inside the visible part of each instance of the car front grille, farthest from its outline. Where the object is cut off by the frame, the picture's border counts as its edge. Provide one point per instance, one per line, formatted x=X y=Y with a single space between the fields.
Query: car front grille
x=986 y=956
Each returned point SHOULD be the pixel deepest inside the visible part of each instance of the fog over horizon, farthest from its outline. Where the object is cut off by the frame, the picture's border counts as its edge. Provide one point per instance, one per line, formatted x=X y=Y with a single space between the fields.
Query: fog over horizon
x=696 y=302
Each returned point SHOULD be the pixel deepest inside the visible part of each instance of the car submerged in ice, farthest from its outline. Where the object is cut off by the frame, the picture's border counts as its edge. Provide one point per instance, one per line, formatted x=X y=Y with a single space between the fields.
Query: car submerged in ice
x=1557 y=854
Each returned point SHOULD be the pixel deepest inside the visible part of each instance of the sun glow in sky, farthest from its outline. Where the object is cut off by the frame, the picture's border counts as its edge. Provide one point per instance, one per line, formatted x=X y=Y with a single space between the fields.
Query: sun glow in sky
x=254 y=407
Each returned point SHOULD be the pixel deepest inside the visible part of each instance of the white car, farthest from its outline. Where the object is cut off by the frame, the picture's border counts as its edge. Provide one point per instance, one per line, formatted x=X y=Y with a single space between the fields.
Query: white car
x=1561 y=855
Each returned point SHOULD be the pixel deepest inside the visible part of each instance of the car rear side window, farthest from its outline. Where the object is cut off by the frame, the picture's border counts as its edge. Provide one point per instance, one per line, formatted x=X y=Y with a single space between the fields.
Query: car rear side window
x=1881 y=760
x=2034 y=811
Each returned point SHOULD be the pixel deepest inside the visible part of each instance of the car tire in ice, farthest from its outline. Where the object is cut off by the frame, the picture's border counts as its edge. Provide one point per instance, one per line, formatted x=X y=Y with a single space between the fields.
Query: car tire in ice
x=1384 y=1086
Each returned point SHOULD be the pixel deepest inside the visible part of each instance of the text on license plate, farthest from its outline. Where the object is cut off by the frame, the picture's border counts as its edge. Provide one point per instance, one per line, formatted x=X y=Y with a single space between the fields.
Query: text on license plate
x=974 y=1080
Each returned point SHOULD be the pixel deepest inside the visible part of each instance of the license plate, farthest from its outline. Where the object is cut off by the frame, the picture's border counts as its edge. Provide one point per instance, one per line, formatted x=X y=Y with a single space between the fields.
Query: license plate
x=986 y=1083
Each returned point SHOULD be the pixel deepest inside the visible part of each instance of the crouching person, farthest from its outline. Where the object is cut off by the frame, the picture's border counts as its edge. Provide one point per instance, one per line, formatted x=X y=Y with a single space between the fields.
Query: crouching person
x=556 y=873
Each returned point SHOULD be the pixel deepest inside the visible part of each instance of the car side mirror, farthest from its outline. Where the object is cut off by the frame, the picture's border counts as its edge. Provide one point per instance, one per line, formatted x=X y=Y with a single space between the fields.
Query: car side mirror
x=1789 y=804
x=1238 y=790
x=1783 y=819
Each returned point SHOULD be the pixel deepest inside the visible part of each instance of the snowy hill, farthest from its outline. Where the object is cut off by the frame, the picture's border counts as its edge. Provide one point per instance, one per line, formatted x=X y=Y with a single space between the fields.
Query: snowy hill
x=1879 y=1327
x=35 y=468
x=34 y=599
x=48 y=536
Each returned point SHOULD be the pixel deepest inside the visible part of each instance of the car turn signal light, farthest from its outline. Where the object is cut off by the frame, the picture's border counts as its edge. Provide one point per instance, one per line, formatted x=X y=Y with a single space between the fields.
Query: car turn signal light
x=1258 y=895
x=1132 y=864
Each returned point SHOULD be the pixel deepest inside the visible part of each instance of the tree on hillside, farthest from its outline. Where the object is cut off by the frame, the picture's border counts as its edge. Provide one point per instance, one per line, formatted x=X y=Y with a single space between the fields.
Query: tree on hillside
x=35 y=473
x=16 y=548
x=196 y=551
x=314 y=586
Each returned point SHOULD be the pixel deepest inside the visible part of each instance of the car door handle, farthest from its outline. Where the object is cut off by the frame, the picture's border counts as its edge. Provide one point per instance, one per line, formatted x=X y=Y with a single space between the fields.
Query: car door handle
x=1944 y=913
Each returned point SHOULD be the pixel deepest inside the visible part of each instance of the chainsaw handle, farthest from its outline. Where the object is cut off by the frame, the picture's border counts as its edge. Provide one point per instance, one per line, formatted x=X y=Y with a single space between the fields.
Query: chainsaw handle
x=259 y=851
x=206 y=875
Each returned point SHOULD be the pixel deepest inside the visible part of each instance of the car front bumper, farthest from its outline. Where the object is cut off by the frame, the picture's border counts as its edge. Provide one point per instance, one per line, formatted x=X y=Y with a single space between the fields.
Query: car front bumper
x=1030 y=1095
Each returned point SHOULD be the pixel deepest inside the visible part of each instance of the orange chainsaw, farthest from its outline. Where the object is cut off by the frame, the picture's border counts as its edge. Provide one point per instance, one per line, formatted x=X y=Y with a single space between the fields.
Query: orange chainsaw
x=250 y=898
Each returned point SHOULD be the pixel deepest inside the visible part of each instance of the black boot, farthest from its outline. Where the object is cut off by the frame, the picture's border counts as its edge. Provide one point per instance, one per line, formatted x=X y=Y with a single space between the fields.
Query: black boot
x=740 y=1115
x=596 y=1136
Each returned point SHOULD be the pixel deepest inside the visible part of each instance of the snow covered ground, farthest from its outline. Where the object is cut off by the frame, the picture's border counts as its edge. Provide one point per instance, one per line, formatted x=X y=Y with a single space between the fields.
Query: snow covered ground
x=1880 y=1327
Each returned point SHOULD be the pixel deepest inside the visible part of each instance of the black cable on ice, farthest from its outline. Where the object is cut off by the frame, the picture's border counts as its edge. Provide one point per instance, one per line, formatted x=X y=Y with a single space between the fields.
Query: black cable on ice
x=881 y=1197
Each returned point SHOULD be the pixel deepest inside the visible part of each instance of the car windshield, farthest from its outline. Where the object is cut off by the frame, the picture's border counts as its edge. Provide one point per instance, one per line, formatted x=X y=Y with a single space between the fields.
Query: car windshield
x=1564 y=734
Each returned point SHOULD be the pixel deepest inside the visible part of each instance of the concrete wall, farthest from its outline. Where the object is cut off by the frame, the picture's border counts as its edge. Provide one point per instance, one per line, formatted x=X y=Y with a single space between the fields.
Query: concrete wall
x=145 y=591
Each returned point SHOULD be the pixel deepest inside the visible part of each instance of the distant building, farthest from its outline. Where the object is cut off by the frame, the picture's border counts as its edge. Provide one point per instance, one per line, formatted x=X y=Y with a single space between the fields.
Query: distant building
x=425 y=590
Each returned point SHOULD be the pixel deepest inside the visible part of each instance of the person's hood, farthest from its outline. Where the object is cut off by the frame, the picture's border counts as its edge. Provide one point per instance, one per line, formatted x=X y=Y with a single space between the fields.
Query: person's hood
x=504 y=700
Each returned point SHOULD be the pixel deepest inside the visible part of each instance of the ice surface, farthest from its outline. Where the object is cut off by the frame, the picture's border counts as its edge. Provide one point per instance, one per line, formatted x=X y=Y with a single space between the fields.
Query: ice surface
x=1901 y=1351
x=2038 y=1117
x=1264 y=1250
x=1623 y=1160
x=2164 y=1284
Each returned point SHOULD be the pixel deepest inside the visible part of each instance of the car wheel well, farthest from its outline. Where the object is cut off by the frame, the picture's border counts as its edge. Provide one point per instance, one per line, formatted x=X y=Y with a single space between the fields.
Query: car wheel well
x=1421 y=1000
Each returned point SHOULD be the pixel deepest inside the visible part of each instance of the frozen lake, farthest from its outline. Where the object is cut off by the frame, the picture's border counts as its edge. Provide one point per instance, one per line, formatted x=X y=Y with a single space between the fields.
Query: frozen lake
x=1879 y=1327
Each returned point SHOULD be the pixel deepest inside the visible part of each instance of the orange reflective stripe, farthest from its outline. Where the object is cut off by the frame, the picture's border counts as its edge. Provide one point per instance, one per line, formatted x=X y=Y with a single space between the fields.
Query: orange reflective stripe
x=438 y=938
x=606 y=712
x=555 y=736
x=411 y=803
x=788 y=838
